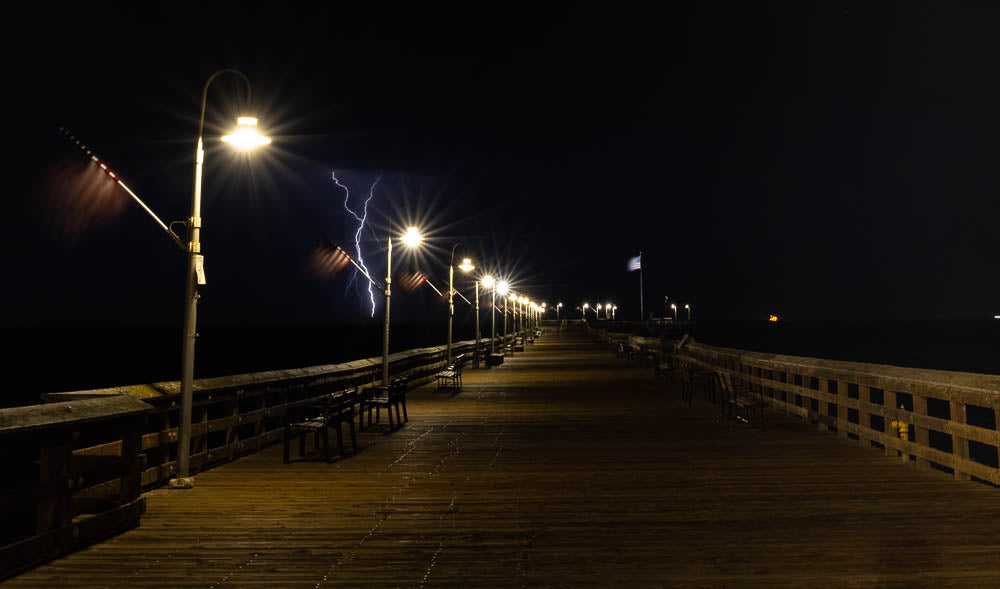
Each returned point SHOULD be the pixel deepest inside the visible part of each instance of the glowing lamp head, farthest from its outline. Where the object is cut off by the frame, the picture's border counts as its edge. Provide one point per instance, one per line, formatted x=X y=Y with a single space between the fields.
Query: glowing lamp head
x=558 y=305
x=503 y=288
x=246 y=137
x=586 y=306
x=687 y=306
x=412 y=237
x=513 y=297
x=466 y=265
x=543 y=305
x=487 y=281
x=673 y=306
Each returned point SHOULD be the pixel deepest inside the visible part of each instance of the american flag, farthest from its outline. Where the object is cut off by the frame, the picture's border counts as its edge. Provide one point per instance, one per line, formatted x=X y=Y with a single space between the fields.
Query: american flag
x=410 y=281
x=329 y=260
x=635 y=263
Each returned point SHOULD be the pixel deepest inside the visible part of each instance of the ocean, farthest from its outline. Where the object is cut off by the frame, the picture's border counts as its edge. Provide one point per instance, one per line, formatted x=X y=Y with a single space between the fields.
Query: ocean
x=69 y=358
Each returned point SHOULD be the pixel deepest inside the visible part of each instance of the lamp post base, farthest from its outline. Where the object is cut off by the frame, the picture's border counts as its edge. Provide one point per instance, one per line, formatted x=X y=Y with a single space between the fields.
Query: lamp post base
x=181 y=483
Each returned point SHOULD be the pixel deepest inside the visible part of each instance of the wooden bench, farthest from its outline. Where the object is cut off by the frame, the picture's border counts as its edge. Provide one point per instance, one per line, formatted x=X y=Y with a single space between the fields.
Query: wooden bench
x=315 y=418
x=451 y=376
x=387 y=397
x=740 y=403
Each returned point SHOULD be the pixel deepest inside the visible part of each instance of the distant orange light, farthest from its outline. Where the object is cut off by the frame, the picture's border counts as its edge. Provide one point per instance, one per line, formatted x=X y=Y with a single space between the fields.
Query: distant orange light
x=773 y=318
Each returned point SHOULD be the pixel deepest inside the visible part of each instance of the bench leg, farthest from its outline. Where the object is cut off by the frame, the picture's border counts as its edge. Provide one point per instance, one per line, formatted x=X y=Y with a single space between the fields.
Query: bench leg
x=399 y=419
x=354 y=438
x=340 y=439
x=405 y=416
x=302 y=444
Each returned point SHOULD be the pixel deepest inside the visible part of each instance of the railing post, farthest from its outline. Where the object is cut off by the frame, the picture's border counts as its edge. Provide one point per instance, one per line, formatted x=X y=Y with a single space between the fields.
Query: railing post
x=959 y=446
x=921 y=435
x=842 y=409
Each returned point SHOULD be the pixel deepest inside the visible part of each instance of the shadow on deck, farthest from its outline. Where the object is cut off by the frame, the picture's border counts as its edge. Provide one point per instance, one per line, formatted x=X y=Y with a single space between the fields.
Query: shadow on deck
x=562 y=467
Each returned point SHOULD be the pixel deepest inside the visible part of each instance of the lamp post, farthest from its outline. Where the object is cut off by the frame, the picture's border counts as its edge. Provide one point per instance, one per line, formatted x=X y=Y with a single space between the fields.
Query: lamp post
x=597 y=313
x=512 y=300
x=411 y=238
x=688 y=308
x=674 y=307
x=521 y=300
x=613 y=309
x=585 y=307
x=466 y=266
x=475 y=356
x=503 y=288
x=489 y=283
x=245 y=137
x=558 y=306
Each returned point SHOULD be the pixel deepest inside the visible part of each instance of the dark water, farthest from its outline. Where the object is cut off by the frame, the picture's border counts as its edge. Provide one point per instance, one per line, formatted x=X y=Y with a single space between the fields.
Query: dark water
x=43 y=360
x=964 y=346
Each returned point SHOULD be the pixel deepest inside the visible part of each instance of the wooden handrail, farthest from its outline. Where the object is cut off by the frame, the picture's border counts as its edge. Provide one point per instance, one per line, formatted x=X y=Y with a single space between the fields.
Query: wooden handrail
x=860 y=400
x=236 y=415
x=54 y=500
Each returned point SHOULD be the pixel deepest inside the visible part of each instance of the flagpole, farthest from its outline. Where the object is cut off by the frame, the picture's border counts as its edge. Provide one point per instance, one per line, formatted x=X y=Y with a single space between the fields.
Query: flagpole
x=642 y=308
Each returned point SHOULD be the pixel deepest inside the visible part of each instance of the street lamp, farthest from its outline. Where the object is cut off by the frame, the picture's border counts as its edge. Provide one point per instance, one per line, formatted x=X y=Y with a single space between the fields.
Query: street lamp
x=465 y=267
x=245 y=137
x=502 y=288
x=597 y=313
x=412 y=238
x=522 y=301
x=688 y=307
x=489 y=283
x=558 y=306
x=674 y=307
x=613 y=309
x=585 y=307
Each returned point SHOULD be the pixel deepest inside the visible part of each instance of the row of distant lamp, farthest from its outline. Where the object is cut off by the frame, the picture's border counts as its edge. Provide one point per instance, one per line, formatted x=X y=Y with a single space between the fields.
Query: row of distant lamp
x=524 y=309
x=609 y=310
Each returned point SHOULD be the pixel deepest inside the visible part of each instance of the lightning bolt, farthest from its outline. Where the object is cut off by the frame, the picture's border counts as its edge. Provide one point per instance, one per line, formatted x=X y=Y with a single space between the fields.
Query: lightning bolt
x=362 y=219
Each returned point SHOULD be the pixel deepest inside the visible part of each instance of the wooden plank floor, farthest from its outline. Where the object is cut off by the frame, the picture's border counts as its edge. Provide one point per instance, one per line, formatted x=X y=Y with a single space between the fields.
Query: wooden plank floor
x=563 y=468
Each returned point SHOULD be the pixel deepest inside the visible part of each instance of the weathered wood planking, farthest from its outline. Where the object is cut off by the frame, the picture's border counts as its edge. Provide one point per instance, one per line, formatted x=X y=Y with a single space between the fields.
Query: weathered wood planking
x=564 y=467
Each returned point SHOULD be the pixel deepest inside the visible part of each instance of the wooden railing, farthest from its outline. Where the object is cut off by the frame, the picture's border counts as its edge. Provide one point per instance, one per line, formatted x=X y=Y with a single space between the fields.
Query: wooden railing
x=55 y=495
x=951 y=418
x=237 y=415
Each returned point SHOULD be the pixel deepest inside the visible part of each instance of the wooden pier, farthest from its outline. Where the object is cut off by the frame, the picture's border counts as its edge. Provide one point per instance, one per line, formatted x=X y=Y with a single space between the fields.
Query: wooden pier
x=563 y=467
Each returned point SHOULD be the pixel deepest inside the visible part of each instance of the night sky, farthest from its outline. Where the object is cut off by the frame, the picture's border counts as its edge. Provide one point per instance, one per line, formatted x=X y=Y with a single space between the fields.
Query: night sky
x=816 y=160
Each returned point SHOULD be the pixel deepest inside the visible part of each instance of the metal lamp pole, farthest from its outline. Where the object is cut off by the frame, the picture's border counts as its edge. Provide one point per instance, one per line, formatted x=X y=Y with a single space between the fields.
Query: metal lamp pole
x=411 y=238
x=385 y=329
x=451 y=302
x=195 y=277
x=475 y=357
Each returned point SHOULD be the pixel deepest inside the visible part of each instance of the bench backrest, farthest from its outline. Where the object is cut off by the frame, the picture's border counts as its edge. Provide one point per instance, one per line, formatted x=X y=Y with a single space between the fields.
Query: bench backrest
x=725 y=384
x=342 y=401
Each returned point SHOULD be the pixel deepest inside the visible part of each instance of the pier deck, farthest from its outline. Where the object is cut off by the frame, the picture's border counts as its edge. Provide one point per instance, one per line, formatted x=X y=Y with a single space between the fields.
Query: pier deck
x=563 y=467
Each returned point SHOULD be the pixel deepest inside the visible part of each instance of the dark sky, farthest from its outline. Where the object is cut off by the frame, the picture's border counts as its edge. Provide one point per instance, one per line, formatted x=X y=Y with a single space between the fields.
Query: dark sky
x=814 y=160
